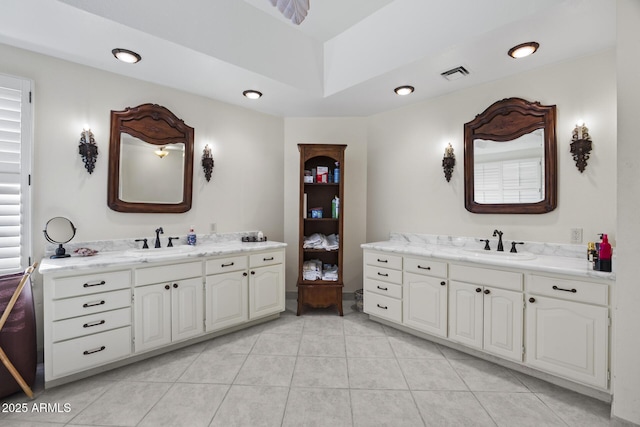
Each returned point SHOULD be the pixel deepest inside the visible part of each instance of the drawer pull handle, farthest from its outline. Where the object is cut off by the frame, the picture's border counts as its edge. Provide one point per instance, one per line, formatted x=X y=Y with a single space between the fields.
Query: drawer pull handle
x=574 y=290
x=424 y=268
x=382 y=306
x=268 y=259
x=97 y=350
x=383 y=274
x=382 y=289
x=93 y=304
x=90 y=325
x=89 y=285
x=383 y=260
x=228 y=265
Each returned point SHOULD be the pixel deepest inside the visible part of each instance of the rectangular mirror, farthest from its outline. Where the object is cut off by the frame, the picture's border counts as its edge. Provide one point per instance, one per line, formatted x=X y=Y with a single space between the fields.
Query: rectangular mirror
x=509 y=172
x=510 y=159
x=150 y=161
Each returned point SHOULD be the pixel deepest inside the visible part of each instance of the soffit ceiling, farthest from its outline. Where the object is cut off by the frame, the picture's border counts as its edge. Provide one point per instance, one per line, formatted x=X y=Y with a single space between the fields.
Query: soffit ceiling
x=344 y=59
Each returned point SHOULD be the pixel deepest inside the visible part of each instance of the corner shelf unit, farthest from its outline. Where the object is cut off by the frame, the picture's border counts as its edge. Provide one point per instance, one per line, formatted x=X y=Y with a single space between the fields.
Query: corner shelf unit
x=320 y=293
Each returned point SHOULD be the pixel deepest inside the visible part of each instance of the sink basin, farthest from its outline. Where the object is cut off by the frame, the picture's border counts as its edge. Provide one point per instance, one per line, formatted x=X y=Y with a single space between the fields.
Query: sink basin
x=481 y=253
x=175 y=250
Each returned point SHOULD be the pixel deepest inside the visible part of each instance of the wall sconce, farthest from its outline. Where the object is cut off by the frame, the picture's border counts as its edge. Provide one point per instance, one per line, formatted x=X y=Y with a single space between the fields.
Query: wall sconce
x=207 y=162
x=581 y=146
x=448 y=162
x=88 y=150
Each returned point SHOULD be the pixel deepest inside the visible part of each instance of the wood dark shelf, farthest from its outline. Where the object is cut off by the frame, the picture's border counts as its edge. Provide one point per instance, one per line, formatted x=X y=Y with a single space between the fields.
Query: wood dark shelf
x=320 y=293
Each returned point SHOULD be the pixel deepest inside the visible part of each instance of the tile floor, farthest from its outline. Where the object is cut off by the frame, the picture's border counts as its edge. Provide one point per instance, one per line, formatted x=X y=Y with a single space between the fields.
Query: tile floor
x=314 y=370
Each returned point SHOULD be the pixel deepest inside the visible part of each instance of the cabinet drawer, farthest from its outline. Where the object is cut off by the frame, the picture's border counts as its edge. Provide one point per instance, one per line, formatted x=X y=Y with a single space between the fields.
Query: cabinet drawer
x=66 y=287
x=384 y=274
x=268 y=258
x=379 y=305
x=90 y=304
x=383 y=260
x=383 y=288
x=90 y=351
x=91 y=324
x=168 y=273
x=571 y=290
x=225 y=265
x=484 y=276
x=425 y=266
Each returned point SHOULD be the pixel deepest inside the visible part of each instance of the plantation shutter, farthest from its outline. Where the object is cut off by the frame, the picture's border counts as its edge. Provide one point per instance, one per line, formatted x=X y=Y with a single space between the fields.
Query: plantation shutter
x=15 y=161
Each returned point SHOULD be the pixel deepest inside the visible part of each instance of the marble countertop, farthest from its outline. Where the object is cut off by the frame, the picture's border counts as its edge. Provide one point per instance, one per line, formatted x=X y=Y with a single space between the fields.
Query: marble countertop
x=135 y=257
x=557 y=259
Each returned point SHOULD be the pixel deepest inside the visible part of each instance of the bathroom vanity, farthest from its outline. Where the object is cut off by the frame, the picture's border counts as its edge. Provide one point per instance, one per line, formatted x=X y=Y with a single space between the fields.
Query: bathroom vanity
x=543 y=310
x=122 y=306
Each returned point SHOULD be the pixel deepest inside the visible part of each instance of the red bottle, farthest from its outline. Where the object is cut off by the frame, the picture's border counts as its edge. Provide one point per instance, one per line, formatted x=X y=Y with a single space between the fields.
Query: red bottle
x=604 y=256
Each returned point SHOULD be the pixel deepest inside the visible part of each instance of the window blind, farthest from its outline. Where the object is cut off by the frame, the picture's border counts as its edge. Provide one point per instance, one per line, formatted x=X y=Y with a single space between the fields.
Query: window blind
x=15 y=114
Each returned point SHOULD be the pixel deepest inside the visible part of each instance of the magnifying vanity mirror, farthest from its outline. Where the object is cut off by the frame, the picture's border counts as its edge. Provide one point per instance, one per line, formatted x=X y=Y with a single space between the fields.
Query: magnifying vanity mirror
x=59 y=230
x=150 y=161
x=510 y=158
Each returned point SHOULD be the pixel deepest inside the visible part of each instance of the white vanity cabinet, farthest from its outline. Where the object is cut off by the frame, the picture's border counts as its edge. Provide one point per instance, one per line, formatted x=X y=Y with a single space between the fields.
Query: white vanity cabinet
x=425 y=295
x=266 y=284
x=383 y=285
x=87 y=321
x=486 y=310
x=167 y=304
x=226 y=292
x=568 y=328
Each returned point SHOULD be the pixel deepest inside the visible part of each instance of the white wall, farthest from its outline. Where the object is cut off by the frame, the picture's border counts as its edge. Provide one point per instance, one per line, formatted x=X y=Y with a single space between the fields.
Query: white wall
x=350 y=131
x=245 y=192
x=406 y=188
x=626 y=401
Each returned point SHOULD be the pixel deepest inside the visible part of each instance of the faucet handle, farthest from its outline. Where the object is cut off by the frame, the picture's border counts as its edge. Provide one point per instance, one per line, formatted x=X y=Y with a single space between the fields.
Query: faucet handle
x=513 y=246
x=486 y=244
x=145 y=245
x=170 y=245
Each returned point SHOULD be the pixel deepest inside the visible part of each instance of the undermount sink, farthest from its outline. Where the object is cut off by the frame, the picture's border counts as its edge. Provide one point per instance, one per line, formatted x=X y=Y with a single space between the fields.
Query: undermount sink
x=175 y=250
x=481 y=253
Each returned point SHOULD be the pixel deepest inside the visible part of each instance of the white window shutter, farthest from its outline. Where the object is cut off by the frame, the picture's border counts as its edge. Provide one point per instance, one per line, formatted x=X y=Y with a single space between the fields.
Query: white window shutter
x=15 y=166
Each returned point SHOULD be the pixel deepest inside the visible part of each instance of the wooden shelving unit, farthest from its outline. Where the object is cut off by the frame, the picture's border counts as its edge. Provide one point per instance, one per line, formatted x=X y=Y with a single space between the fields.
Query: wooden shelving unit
x=320 y=293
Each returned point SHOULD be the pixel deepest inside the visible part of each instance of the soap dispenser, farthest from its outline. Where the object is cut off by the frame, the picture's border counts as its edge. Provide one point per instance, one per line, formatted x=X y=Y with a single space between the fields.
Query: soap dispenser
x=191 y=237
x=604 y=254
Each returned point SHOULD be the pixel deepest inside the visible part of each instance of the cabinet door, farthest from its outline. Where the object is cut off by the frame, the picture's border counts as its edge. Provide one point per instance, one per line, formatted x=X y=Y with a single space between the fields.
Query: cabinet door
x=186 y=309
x=425 y=303
x=266 y=291
x=465 y=313
x=569 y=339
x=503 y=322
x=152 y=316
x=227 y=301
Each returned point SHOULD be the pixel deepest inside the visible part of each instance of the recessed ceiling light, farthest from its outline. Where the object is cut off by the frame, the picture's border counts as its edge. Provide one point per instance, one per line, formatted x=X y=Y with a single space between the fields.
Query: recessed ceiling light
x=252 y=94
x=404 y=90
x=524 y=49
x=126 y=55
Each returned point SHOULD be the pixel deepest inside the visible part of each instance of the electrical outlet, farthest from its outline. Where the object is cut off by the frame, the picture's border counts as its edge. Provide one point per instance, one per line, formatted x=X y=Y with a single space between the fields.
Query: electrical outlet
x=576 y=235
x=213 y=228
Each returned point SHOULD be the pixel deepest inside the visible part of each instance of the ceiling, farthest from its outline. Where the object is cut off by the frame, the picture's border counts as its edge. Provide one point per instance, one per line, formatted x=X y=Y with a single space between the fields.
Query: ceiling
x=344 y=59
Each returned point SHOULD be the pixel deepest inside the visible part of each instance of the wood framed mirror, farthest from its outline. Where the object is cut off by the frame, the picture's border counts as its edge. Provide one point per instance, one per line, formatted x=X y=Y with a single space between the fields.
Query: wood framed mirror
x=510 y=159
x=150 y=161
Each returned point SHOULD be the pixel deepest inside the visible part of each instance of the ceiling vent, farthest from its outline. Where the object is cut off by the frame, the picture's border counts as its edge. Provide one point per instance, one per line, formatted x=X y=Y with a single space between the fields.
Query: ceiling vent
x=455 y=73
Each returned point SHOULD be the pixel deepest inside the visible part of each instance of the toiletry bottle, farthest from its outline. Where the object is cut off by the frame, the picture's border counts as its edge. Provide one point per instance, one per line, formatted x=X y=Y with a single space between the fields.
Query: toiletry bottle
x=335 y=207
x=191 y=237
x=591 y=249
x=604 y=256
x=336 y=173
